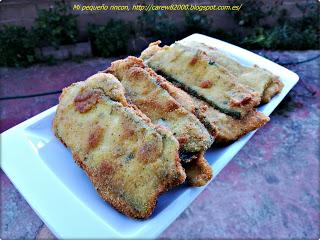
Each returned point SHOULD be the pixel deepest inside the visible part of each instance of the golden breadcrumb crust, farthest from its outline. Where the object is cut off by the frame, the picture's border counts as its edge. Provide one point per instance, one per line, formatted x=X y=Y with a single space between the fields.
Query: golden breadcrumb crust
x=226 y=128
x=147 y=90
x=129 y=160
x=222 y=127
x=258 y=79
x=201 y=77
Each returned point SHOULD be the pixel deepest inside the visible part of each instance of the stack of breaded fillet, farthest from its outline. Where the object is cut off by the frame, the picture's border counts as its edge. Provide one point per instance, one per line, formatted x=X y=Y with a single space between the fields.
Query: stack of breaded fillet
x=142 y=126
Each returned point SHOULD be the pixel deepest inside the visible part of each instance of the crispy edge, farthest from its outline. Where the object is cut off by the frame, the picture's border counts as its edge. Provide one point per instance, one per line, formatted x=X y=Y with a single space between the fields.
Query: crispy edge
x=152 y=49
x=198 y=171
x=274 y=88
x=253 y=120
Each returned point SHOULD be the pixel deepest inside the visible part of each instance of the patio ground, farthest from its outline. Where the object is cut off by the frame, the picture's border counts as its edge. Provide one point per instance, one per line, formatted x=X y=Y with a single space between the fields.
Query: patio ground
x=269 y=190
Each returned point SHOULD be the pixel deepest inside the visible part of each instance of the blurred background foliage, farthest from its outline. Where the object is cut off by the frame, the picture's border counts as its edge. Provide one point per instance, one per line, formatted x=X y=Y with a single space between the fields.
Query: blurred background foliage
x=55 y=26
x=110 y=39
x=58 y=26
x=17 y=46
x=156 y=24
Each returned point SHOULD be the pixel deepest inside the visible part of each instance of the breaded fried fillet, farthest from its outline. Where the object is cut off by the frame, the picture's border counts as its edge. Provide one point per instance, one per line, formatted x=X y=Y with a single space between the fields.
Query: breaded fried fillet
x=223 y=127
x=128 y=159
x=260 y=80
x=148 y=91
x=201 y=77
x=227 y=128
x=198 y=171
x=143 y=88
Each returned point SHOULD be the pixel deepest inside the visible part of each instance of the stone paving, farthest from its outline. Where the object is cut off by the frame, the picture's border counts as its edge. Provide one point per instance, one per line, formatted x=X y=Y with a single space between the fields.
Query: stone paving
x=270 y=190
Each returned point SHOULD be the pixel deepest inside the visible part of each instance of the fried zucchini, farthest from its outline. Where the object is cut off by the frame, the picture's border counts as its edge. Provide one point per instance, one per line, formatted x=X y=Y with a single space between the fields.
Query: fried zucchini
x=258 y=79
x=143 y=88
x=223 y=127
x=226 y=128
x=129 y=160
x=201 y=77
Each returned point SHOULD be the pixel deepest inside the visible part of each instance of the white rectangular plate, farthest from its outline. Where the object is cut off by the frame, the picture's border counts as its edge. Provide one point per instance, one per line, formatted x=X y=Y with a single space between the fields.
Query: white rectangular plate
x=43 y=171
